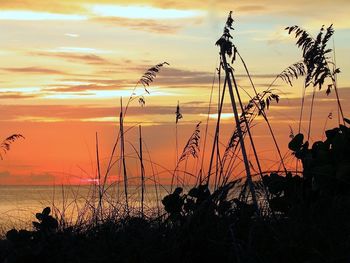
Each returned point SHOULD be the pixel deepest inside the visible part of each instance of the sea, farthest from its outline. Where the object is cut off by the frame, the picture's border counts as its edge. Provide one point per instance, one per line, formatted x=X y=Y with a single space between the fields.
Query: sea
x=19 y=204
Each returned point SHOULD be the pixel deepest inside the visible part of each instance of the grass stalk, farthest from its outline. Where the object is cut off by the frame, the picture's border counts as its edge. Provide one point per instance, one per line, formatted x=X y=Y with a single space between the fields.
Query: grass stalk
x=122 y=153
x=217 y=128
x=199 y=178
x=311 y=112
x=263 y=113
x=241 y=140
x=100 y=193
x=142 y=172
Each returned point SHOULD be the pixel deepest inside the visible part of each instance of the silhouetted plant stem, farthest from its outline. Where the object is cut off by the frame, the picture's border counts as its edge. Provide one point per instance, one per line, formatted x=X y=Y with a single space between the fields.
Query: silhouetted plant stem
x=338 y=101
x=154 y=179
x=199 y=178
x=216 y=131
x=247 y=125
x=191 y=149
x=218 y=158
x=122 y=153
x=335 y=80
x=142 y=171
x=263 y=113
x=99 y=180
x=178 y=116
x=311 y=111
x=177 y=148
x=302 y=108
x=245 y=119
x=239 y=130
x=184 y=173
x=145 y=80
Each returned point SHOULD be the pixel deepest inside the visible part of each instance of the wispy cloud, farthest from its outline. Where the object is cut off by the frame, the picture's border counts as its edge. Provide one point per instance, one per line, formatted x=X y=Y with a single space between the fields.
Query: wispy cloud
x=256 y=8
x=17 y=95
x=7 y=177
x=170 y=77
x=73 y=57
x=87 y=87
x=154 y=26
x=88 y=50
x=34 y=70
x=81 y=112
x=71 y=35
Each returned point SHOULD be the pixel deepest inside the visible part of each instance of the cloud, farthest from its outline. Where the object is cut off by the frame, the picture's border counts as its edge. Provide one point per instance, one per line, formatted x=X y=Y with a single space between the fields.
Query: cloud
x=182 y=77
x=71 y=57
x=153 y=26
x=71 y=35
x=88 y=87
x=174 y=76
x=77 y=113
x=168 y=77
x=34 y=70
x=4 y=175
x=46 y=178
x=65 y=112
x=250 y=8
x=142 y=12
x=55 y=6
x=263 y=6
x=34 y=178
x=17 y=95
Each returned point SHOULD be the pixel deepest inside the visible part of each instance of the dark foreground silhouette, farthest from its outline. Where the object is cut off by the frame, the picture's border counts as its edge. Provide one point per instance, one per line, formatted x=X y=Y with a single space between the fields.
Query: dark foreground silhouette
x=300 y=219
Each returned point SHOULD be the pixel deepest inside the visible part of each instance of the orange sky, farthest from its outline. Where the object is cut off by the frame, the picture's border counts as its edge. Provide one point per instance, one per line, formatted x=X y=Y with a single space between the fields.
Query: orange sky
x=65 y=64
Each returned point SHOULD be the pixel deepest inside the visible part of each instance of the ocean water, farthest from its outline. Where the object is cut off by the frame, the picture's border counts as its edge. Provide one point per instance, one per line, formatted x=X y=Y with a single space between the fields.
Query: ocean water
x=19 y=204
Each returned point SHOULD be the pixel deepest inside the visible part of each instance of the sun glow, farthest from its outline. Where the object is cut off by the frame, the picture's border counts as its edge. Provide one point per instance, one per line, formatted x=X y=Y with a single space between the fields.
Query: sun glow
x=103 y=94
x=79 y=50
x=35 y=16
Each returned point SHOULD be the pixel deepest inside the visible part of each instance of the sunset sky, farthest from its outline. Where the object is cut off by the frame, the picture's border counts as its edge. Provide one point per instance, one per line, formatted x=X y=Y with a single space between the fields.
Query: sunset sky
x=64 y=64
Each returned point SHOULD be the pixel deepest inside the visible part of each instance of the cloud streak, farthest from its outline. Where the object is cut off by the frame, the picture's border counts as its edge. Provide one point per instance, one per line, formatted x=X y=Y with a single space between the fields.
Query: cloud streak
x=149 y=25
x=17 y=95
x=34 y=70
x=72 y=57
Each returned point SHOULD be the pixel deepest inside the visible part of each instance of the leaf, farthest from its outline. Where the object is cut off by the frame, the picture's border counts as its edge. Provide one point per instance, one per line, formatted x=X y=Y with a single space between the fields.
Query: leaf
x=178 y=191
x=39 y=216
x=347 y=121
x=192 y=145
x=149 y=76
x=296 y=143
x=178 y=113
x=294 y=71
x=336 y=71
x=6 y=144
x=314 y=56
x=142 y=101
x=46 y=211
x=224 y=41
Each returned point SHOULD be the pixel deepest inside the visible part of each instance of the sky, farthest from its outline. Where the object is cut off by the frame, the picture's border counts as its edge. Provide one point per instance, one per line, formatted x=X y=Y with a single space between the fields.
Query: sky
x=64 y=65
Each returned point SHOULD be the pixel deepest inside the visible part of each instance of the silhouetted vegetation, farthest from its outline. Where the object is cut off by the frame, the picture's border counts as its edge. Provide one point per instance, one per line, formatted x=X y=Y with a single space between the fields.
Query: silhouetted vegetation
x=5 y=145
x=280 y=216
